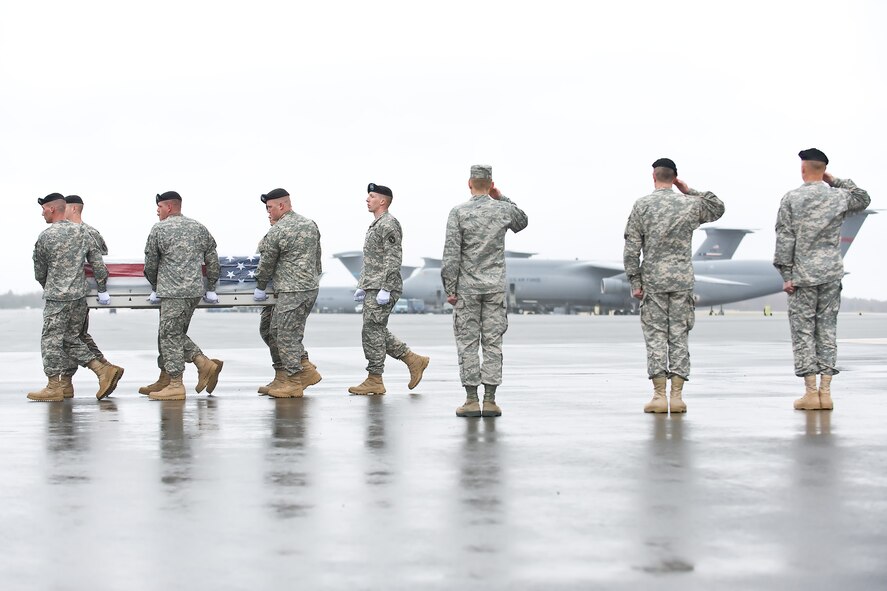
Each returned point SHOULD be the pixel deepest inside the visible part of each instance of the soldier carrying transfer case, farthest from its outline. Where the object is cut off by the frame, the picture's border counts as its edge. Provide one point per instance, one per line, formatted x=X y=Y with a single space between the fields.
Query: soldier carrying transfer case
x=59 y=255
x=290 y=256
x=808 y=256
x=473 y=273
x=379 y=288
x=176 y=250
x=661 y=226
x=74 y=213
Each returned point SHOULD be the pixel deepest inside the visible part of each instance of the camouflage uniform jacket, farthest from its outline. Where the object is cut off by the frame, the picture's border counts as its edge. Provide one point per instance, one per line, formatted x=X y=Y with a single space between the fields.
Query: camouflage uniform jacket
x=176 y=250
x=808 y=231
x=661 y=225
x=290 y=255
x=474 y=251
x=59 y=254
x=99 y=240
x=382 y=255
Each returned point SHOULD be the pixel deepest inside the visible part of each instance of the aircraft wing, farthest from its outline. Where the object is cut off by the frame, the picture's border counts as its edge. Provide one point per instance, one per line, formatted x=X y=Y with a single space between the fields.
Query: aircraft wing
x=604 y=268
x=717 y=280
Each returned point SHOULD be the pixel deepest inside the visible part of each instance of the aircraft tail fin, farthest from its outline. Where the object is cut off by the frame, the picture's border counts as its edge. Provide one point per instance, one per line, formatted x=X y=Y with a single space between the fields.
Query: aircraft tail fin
x=353 y=261
x=850 y=228
x=720 y=244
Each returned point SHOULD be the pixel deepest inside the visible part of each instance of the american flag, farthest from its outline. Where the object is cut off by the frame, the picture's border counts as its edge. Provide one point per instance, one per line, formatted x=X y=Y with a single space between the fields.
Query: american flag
x=238 y=270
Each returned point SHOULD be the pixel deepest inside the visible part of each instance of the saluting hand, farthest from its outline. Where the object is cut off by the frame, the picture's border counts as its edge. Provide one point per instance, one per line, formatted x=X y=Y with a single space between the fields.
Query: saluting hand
x=682 y=186
x=495 y=193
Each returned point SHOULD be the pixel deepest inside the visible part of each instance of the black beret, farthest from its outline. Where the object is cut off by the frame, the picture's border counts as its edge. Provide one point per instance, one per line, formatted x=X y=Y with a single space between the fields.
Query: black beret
x=381 y=190
x=74 y=199
x=167 y=196
x=275 y=194
x=666 y=163
x=814 y=155
x=50 y=197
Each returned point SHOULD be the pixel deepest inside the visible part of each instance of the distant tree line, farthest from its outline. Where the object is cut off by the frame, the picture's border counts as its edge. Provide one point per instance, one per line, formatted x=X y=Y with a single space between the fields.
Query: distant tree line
x=21 y=300
x=779 y=303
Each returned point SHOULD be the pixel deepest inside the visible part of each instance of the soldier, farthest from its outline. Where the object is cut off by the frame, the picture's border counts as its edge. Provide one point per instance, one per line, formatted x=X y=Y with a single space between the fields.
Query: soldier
x=808 y=256
x=661 y=225
x=175 y=252
x=473 y=273
x=290 y=256
x=59 y=254
x=379 y=288
x=310 y=375
x=73 y=213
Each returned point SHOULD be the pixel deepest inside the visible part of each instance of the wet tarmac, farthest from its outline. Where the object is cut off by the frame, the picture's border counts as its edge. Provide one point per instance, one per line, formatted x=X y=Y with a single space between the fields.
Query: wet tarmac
x=573 y=488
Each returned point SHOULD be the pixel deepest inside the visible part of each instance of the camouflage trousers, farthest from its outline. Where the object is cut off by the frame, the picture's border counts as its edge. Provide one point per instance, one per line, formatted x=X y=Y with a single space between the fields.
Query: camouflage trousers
x=813 y=318
x=377 y=339
x=265 y=333
x=666 y=321
x=173 y=344
x=480 y=320
x=60 y=344
x=288 y=327
x=88 y=341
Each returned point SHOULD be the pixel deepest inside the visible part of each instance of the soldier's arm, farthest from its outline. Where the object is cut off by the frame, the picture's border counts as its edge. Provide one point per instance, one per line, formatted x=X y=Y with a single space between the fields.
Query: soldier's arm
x=859 y=198
x=152 y=260
x=41 y=266
x=784 y=256
x=452 y=255
x=318 y=258
x=99 y=270
x=268 y=261
x=631 y=253
x=99 y=241
x=710 y=207
x=211 y=260
x=519 y=219
x=392 y=256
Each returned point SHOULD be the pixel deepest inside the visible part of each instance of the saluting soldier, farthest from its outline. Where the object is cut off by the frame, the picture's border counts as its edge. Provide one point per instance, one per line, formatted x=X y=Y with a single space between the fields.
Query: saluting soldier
x=177 y=249
x=59 y=254
x=808 y=256
x=473 y=274
x=379 y=288
x=661 y=227
x=290 y=256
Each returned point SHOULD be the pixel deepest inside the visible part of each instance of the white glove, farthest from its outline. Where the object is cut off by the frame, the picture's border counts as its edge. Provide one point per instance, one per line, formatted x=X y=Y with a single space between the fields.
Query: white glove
x=104 y=298
x=359 y=295
x=153 y=298
x=211 y=297
x=383 y=298
x=259 y=295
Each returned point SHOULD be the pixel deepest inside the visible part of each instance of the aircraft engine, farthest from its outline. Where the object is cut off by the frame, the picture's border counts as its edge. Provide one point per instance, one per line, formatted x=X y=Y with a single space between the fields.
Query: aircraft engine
x=614 y=286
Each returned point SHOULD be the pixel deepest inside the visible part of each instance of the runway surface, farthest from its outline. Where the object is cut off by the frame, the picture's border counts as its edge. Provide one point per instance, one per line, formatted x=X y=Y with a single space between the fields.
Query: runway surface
x=573 y=488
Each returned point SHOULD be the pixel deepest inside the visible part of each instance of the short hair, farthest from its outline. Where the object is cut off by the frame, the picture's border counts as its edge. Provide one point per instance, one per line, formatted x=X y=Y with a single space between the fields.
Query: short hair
x=481 y=184
x=815 y=165
x=664 y=175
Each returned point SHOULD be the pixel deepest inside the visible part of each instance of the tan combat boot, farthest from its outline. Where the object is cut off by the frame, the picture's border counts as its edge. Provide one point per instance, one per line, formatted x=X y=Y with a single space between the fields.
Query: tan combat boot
x=309 y=374
x=279 y=374
x=810 y=399
x=659 y=402
x=676 y=403
x=161 y=383
x=52 y=392
x=491 y=409
x=108 y=376
x=208 y=371
x=290 y=387
x=67 y=386
x=416 y=364
x=471 y=408
x=174 y=390
x=825 y=392
x=372 y=385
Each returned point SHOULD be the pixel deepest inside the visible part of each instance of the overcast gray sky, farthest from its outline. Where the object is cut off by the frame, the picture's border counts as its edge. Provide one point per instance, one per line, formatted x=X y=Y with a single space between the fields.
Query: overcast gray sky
x=569 y=101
